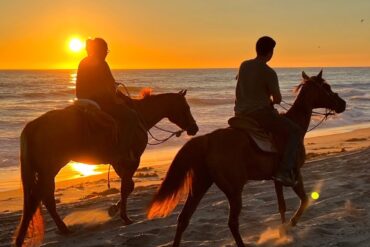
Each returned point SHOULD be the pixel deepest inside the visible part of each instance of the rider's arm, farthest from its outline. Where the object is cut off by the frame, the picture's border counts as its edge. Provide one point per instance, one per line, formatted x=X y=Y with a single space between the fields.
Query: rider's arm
x=273 y=86
x=110 y=83
x=276 y=98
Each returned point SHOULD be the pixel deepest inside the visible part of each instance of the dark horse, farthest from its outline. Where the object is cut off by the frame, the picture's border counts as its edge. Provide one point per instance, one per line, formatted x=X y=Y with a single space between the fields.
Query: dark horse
x=49 y=142
x=224 y=158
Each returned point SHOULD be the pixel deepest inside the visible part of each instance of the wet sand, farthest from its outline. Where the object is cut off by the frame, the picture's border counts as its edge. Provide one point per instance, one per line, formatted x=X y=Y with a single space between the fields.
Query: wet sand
x=338 y=169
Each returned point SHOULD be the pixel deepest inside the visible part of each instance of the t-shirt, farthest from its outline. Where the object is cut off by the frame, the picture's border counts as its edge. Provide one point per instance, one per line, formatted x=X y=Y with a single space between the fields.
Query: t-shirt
x=256 y=83
x=95 y=81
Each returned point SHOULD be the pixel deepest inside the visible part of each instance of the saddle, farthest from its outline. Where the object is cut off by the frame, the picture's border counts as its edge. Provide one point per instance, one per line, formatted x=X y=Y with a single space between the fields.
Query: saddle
x=99 y=123
x=96 y=122
x=261 y=138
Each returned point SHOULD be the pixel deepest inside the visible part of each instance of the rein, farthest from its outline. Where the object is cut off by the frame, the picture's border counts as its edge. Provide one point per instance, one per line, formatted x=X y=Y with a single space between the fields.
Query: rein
x=325 y=115
x=159 y=141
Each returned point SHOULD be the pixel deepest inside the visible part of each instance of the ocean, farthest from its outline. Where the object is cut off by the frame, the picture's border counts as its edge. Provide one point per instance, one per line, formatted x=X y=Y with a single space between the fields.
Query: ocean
x=25 y=95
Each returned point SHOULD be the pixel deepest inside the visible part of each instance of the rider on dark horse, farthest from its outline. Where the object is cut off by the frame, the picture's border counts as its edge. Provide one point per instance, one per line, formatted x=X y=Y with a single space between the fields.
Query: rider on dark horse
x=257 y=91
x=95 y=82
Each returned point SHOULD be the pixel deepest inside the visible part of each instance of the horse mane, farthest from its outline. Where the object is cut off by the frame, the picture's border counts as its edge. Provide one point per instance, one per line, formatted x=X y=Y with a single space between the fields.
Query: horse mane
x=296 y=89
x=145 y=92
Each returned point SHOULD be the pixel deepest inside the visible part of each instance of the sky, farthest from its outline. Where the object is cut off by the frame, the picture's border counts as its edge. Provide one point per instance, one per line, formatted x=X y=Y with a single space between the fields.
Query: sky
x=185 y=33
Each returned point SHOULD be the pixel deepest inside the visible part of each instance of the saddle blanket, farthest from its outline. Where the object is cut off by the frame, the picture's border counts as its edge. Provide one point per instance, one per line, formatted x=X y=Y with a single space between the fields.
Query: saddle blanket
x=262 y=139
x=96 y=122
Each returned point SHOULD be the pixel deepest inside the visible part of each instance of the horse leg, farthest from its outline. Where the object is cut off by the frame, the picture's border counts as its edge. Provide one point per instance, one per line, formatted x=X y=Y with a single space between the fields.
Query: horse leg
x=113 y=209
x=300 y=191
x=49 y=202
x=127 y=186
x=281 y=200
x=199 y=188
x=235 y=201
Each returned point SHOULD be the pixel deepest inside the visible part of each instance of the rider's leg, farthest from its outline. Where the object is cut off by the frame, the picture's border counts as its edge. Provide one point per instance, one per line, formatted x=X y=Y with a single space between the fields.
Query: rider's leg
x=131 y=122
x=289 y=159
x=127 y=123
x=291 y=133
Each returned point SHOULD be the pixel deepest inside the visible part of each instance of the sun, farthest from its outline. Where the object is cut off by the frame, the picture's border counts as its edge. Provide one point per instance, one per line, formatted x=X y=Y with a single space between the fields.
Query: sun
x=76 y=45
x=84 y=169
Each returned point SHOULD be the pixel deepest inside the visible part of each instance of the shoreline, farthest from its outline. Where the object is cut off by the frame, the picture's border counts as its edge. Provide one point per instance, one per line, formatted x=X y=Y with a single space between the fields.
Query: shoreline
x=337 y=130
x=314 y=143
x=155 y=163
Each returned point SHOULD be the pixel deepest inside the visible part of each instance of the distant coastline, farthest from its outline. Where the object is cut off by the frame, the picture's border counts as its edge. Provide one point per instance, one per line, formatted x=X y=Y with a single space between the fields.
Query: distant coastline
x=205 y=68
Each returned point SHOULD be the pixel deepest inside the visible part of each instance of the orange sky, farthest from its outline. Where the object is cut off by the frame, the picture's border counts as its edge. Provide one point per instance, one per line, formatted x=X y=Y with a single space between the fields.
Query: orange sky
x=185 y=34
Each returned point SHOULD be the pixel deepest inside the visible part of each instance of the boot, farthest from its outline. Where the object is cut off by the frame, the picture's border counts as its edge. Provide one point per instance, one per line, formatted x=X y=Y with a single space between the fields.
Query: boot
x=286 y=177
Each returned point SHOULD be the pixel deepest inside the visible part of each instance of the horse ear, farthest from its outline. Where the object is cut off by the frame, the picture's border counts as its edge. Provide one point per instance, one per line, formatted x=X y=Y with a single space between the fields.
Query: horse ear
x=305 y=76
x=183 y=92
x=319 y=75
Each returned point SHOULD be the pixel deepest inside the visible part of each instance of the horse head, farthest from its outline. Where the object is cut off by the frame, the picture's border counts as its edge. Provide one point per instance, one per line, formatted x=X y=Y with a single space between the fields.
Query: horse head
x=180 y=113
x=319 y=93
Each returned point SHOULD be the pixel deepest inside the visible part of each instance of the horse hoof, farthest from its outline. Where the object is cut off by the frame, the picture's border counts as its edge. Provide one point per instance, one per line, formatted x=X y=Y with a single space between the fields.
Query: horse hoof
x=126 y=220
x=293 y=222
x=112 y=211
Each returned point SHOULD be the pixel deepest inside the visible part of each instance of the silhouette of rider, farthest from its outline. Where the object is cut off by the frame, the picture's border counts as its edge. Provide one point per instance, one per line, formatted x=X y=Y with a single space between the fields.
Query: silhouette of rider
x=256 y=91
x=95 y=82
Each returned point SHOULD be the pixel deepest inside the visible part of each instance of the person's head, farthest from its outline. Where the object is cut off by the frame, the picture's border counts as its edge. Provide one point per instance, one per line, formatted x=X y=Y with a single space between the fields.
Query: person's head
x=97 y=47
x=265 y=47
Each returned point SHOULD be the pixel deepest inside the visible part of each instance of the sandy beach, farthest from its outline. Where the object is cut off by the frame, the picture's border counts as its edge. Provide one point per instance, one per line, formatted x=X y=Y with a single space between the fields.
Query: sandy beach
x=80 y=79
x=337 y=168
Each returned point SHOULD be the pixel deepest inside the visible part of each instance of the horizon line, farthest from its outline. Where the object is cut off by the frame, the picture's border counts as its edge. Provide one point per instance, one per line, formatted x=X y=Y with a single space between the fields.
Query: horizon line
x=187 y=68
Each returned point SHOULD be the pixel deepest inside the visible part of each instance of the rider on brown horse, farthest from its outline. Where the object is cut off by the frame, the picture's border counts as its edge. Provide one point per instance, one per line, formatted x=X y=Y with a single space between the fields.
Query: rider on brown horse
x=256 y=91
x=95 y=82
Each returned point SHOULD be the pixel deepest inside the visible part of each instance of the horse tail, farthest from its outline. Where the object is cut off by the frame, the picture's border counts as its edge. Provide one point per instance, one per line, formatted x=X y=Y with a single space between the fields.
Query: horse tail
x=32 y=223
x=178 y=180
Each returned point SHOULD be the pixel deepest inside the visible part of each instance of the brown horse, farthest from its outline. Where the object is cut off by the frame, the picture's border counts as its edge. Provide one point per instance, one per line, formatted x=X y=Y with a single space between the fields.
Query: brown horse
x=49 y=142
x=224 y=158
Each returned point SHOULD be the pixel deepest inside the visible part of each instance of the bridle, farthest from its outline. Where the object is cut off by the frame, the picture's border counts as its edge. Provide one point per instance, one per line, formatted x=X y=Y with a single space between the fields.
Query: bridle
x=159 y=141
x=325 y=115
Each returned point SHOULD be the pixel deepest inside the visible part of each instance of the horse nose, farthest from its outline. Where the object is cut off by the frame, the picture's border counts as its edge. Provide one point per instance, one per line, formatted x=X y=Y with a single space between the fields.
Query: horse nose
x=342 y=107
x=192 y=130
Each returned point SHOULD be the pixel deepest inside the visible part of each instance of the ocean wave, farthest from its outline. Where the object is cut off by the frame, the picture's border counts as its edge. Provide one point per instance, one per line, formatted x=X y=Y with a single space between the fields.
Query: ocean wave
x=365 y=97
x=203 y=101
x=64 y=92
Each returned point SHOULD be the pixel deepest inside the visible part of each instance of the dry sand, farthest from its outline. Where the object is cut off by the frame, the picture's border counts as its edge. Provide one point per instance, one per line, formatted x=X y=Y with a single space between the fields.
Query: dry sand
x=338 y=169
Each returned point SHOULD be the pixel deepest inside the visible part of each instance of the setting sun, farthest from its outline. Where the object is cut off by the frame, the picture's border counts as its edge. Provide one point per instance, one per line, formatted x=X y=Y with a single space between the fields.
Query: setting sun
x=76 y=45
x=85 y=170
